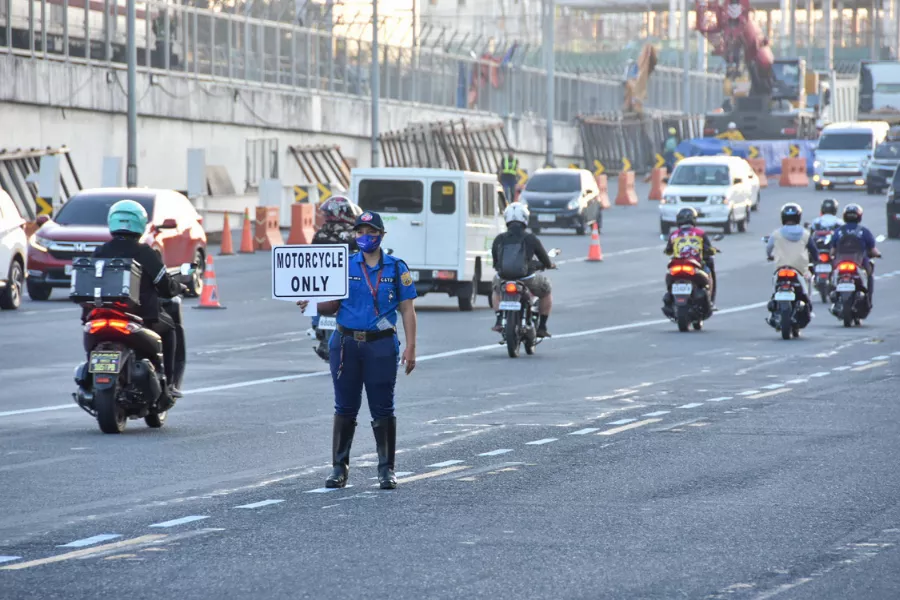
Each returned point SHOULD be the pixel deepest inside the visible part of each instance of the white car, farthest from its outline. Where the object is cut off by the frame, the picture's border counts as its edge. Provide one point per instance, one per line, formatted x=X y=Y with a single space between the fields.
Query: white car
x=12 y=253
x=722 y=189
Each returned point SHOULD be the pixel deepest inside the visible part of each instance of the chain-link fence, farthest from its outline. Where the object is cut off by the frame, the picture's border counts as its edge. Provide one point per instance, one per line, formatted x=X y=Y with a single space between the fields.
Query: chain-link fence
x=217 y=46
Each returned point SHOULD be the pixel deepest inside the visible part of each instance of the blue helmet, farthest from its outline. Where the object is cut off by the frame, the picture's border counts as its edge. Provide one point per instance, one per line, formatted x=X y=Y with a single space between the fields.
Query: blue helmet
x=127 y=216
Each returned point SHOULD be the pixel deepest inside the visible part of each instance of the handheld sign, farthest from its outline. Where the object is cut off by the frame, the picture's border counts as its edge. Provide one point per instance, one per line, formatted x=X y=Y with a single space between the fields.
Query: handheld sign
x=315 y=273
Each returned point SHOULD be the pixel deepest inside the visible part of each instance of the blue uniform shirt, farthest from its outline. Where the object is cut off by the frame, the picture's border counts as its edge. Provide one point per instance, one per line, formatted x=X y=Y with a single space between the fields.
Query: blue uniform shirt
x=357 y=311
x=855 y=229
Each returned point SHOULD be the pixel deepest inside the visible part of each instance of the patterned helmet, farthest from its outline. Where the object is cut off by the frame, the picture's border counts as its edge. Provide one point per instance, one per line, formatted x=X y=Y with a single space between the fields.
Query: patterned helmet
x=339 y=209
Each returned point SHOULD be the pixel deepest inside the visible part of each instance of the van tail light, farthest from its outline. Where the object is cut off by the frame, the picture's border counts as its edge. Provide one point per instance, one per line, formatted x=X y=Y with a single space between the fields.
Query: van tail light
x=787 y=273
x=683 y=270
x=847 y=267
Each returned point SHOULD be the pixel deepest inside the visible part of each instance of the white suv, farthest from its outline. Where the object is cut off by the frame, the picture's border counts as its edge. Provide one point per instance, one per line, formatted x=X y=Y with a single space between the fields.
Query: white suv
x=722 y=189
x=12 y=253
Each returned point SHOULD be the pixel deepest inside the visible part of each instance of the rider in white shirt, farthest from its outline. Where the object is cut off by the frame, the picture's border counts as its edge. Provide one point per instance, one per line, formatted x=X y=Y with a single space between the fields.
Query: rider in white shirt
x=827 y=219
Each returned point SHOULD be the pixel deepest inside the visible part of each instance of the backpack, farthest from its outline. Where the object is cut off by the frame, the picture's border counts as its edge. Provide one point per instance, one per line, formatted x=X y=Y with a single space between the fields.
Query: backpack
x=513 y=262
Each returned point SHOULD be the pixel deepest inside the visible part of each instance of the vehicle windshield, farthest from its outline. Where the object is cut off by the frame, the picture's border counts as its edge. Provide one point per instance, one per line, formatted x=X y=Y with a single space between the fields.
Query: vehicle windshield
x=889 y=151
x=845 y=141
x=700 y=175
x=93 y=210
x=554 y=183
x=787 y=73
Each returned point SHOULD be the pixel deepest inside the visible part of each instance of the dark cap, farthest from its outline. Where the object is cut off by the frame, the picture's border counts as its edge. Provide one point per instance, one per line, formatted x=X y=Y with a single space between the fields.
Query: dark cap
x=372 y=219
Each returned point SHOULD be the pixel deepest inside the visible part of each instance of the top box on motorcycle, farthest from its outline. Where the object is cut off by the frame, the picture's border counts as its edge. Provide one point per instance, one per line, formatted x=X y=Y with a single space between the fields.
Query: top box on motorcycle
x=101 y=281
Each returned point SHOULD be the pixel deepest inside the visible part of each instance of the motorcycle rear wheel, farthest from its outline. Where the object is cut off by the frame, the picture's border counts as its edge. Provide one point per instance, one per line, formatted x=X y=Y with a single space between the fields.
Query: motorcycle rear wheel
x=512 y=337
x=110 y=415
x=786 y=325
x=683 y=322
x=156 y=420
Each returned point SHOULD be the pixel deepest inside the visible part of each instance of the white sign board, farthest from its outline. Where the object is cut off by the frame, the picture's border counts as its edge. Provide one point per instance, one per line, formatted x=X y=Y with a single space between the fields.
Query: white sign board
x=310 y=272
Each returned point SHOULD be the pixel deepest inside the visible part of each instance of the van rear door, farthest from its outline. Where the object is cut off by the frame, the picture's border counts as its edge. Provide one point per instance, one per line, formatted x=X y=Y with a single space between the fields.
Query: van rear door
x=445 y=211
x=401 y=204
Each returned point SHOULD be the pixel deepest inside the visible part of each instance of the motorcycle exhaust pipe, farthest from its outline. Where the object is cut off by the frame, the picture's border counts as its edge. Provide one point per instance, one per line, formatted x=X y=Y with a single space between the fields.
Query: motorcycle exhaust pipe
x=144 y=375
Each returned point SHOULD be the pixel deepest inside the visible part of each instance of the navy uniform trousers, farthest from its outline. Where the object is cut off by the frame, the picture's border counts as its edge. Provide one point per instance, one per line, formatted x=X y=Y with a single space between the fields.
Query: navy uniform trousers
x=371 y=364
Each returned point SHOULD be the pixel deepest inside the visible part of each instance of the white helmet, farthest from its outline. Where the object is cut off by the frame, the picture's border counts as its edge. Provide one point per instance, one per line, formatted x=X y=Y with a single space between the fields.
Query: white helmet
x=516 y=212
x=732 y=125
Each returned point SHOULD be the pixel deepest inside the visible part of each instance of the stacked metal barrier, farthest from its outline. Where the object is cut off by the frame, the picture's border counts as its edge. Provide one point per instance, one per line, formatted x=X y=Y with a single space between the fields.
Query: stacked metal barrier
x=446 y=145
x=18 y=177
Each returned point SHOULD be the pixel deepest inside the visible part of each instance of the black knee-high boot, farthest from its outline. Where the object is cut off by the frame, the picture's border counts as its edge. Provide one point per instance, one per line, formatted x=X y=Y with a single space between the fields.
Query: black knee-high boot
x=341 y=440
x=385 y=431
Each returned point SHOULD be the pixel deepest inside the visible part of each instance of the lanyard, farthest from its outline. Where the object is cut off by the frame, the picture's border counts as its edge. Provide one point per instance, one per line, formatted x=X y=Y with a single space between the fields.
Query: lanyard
x=373 y=290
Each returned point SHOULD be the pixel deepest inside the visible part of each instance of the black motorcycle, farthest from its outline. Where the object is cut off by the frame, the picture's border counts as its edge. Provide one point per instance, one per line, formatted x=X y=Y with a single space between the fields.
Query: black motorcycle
x=520 y=313
x=850 y=294
x=124 y=377
x=687 y=300
x=823 y=267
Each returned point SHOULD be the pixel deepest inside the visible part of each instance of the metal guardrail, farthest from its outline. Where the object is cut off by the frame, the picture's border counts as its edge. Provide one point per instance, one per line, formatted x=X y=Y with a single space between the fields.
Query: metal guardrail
x=322 y=165
x=628 y=142
x=18 y=169
x=446 y=145
x=184 y=41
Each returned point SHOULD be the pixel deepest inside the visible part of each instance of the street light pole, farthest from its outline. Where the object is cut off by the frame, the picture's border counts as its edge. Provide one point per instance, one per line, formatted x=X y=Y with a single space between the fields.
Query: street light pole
x=131 y=169
x=376 y=84
x=550 y=67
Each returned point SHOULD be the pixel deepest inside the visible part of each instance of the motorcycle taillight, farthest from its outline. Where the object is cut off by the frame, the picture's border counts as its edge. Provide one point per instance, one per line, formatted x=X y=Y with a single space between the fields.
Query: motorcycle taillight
x=824 y=257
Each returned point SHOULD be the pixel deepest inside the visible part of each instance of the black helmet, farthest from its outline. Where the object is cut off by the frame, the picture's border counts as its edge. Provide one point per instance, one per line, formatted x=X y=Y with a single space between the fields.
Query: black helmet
x=853 y=213
x=829 y=206
x=686 y=216
x=791 y=213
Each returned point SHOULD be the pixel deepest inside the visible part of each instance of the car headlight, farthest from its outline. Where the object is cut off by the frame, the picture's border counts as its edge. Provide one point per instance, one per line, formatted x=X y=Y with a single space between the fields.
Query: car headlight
x=573 y=204
x=717 y=199
x=670 y=199
x=39 y=243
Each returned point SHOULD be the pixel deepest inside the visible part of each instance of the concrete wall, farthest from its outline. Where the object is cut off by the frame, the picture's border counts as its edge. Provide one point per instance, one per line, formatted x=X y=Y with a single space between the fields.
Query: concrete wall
x=46 y=103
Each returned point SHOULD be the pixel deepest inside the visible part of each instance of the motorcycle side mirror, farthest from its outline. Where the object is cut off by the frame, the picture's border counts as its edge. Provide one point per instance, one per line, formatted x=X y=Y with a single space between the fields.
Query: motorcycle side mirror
x=880 y=238
x=718 y=237
x=765 y=239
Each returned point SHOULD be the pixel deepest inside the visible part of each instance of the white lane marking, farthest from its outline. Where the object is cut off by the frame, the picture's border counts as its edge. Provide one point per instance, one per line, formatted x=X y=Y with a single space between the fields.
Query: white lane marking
x=621 y=421
x=774 y=386
x=895 y=353
x=496 y=452
x=585 y=431
x=657 y=413
x=103 y=537
x=768 y=394
x=720 y=399
x=860 y=363
x=259 y=504
x=843 y=368
x=451 y=353
x=882 y=357
x=446 y=463
x=616 y=253
x=796 y=381
x=541 y=442
x=616 y=430
x=325 y=490
x=4 y=559
x=748 y=393
x=181 y=521
x=821 y=374
x=873 y=365
x=691 y=405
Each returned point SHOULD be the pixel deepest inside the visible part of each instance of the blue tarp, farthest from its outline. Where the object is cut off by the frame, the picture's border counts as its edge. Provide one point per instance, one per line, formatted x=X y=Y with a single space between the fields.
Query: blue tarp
x=772 y=151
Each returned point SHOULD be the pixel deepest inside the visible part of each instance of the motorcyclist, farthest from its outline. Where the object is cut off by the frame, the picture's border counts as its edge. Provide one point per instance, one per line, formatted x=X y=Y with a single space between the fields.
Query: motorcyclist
x=340 y=216
x=516 y=216
x=792 y=245
x=827 y=219
x=689 y=241
x=127 y=222
x=852 y=238
x=669 y=147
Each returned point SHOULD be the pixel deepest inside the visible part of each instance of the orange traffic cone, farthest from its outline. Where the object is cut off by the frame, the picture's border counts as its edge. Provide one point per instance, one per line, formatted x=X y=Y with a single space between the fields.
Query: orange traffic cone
x=226 y=249
x=246 y=235
x=209 y=298
x=595 y=254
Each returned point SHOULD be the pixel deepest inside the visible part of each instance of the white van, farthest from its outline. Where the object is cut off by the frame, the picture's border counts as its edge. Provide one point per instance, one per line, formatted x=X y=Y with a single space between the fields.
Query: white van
x=441 y=222
x=843 y=153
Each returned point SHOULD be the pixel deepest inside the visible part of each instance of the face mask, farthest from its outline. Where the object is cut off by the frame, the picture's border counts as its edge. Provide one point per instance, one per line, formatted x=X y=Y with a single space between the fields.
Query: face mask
x=368 y=243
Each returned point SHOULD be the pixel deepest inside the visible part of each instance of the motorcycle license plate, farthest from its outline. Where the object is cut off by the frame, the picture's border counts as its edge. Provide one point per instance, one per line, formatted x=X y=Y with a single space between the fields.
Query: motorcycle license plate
x=510 y=305
x=546 y=218
x=105 y=362
x=682 y=288
x=846 y=287
x=327 y=323
x=823 y=268
x=785 y=295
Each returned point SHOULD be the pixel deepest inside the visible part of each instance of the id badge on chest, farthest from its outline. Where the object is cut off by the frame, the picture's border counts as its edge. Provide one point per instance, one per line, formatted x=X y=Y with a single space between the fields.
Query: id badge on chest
x=383 y=324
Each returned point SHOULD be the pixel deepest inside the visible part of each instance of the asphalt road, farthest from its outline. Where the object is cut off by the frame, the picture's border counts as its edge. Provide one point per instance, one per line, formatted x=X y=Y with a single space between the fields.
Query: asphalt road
x=623 y=460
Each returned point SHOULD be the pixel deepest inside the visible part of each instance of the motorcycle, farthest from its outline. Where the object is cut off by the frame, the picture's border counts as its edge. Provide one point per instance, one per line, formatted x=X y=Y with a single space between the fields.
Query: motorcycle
x=124 y=377
x=687 y=301
x=850 y=294
x=823 y=267
x=323 y=327
x=520 y=314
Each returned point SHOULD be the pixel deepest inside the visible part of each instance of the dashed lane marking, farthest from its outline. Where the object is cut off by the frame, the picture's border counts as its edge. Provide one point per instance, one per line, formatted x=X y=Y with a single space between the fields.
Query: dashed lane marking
x=181 y=521
x=260 y=504
x=496 y=452
x=882 y=357
x=431 y=474
x=324 y=490
x=541 y=442
x=104 y=537
x=720 y=399
x=770 y=393
x=774 y=386
x=821 y=374
x=656 y=413
x=144 y=539
x=798 y=381
x=748 y=393
x=873 y=365
x=691 y=405
x=616 y=430
x=4 y=559
x=843 y=368
x=446 y=463
x=585 y=431
x=621 y=421
x=860 y=363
